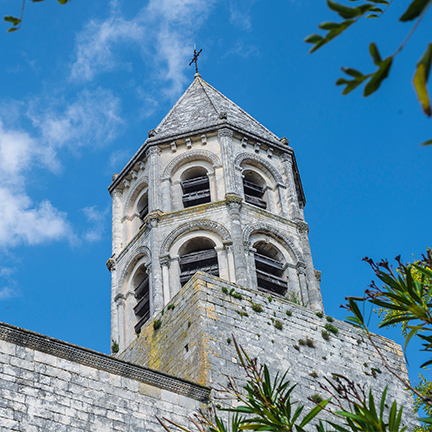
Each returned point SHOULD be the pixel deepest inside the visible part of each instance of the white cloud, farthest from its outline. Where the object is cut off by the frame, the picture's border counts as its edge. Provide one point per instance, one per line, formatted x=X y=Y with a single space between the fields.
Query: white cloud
x=23 y=222
x=162 y=30
x=7 y=284
x=94 y=46
x=96 y=219
x=92 y=119
x=240 y=15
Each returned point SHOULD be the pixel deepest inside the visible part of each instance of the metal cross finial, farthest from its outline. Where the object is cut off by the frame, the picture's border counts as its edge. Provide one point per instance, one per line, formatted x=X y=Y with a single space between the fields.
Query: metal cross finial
x=195 y=58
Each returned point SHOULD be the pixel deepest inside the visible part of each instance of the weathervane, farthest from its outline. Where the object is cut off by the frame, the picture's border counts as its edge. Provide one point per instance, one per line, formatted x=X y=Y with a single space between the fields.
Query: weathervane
x=195 y=58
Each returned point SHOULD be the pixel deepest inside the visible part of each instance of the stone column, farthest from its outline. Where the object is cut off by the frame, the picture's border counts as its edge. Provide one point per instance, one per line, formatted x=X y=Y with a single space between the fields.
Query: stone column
x=174 y=276
x=270 y=194
x=226 y=142
x=165 y=264
x=238 y=172
x=177 y=195
x=293 y=281
x=156 y=288
x=219 y=181
x=230 y=259
x=153 y=164
x=213 y=186
x=253 y=280
x=234 y=205
x=282 y=199
x=291 y=189
x=117 y=210
x=114 y=315
x=301 y=271
x=119 y=301
x=167 y=202
x=312 y=285
x=222 y=262
x=130 y=318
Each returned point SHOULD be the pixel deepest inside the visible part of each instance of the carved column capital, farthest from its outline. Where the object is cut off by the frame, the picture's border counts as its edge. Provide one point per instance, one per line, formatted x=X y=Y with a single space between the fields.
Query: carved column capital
x=116 y=193
x=119 y=299
x=165 y=260
x=152 y=151
x=301 y=268
x=228 y=245
x=286 y=157
x=225 y=132
x=233 y=198
x=302 y=227
x=154 y=217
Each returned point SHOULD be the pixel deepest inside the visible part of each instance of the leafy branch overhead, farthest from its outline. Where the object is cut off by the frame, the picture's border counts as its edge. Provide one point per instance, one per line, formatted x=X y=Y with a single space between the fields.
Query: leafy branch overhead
x=16 y=22
x=374 y=9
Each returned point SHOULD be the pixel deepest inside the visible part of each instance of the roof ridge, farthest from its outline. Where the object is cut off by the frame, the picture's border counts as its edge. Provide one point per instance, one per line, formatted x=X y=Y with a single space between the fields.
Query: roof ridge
x=241 y=109
x=201 y=81
x=158 y=127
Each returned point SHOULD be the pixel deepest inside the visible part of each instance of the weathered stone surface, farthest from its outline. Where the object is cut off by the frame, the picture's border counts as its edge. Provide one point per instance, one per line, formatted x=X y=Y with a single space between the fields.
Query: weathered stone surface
x=194 y=341
x=49 y=385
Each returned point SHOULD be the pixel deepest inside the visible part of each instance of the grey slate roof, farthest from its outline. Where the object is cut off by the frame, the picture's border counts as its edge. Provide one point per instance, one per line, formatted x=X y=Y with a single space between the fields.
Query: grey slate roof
x=200 y=106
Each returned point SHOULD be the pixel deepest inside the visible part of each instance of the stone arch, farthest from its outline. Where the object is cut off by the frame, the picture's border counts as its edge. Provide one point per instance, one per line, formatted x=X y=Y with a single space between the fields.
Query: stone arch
x=190 y=156
x=242 y=157
x=273 y=232
x=133 y=193
x=139 y=253
x=194 y=226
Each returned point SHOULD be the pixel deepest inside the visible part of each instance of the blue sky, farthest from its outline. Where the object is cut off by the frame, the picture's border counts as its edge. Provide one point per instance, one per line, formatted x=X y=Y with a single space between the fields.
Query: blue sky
x=82 y=84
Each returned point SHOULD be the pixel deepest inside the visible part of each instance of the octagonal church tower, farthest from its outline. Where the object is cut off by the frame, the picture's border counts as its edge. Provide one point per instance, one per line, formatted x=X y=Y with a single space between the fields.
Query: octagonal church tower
x=211 y=189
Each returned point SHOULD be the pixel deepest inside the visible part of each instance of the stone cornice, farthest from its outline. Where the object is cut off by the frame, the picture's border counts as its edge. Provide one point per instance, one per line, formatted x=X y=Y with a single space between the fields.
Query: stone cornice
x=97 y=360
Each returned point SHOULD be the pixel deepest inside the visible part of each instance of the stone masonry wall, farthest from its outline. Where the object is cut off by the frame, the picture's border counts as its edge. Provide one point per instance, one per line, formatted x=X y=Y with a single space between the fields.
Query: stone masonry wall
x=194 y=341
x=77 y=390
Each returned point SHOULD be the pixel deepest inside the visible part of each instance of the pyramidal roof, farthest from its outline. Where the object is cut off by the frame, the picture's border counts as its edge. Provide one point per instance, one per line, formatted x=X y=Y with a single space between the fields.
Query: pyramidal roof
x=201 y=106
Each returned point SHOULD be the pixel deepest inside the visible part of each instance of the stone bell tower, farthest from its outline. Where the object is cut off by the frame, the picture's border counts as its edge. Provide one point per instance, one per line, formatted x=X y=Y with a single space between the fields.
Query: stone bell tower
x=211 y=189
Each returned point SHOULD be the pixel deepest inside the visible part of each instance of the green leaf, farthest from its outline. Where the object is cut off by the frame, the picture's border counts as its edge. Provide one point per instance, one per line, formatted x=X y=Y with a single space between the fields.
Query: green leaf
x=429 y=142
x=427 y=420
x=356 y=311
x=352 y=72
x=329 y=26
x=421 y=78
x=344 y=11
x=427 y=272
x=373 y=49
x=414 y=10
x=12 y=29
x=62 y=1
x=313 y=38
x=378 y=77
x=372 y=16
x=314 y=412
x=15 y=21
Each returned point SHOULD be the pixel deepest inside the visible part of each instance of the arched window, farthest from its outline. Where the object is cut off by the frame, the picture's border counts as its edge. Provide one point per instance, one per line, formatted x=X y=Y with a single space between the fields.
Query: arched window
x=269 y=268
x=142 y=206
x=141 y=282
x=196 y=187
x=254 y=189
x=198 y=254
